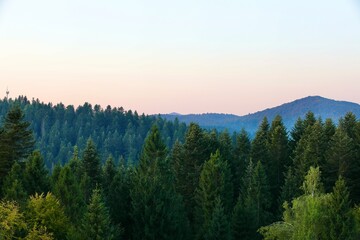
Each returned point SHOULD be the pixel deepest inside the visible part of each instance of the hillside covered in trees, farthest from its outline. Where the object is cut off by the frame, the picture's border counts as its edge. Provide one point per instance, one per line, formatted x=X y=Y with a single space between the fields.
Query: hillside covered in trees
x=301 y=184
x=58 y=128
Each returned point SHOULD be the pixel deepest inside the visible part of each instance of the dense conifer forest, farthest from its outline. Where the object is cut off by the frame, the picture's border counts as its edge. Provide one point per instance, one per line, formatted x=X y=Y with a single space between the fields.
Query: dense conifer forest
x=93 y=173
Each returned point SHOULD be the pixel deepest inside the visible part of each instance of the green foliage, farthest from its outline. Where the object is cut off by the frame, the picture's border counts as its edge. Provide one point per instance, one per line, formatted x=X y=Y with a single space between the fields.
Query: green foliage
x=312 y=184
x=241 y=159
x=46 y=211
x=218 y=227
x=340 y=158
x=279 y=158
x=215 y=183
x=306 y=218
x=190 y=158
x=252 y=209
x=36 y=179
x=259 y=146
x=96 y=223
x=13 y=189
x=37 y=233
x=67 y=190
x=16 y=140
x=11 y=220
x=341 y=220
x=157 y=210
x=91 y=165
x=118 y=199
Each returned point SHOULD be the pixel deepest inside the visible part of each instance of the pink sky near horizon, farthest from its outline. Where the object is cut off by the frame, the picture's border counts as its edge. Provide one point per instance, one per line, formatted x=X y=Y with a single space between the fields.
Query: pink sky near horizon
x=253 y=55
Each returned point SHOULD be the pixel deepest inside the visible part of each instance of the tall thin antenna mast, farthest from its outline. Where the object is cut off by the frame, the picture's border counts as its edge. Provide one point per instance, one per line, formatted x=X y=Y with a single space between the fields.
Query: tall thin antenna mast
x=7 y=93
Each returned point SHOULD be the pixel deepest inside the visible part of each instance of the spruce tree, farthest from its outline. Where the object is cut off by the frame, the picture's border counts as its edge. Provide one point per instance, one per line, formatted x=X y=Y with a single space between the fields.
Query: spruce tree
x=241 y=159
x=341 y=221
x=279 y=158
x=91 y=165
x=310 y=151
x=340 y=159
x=260 y=146
x=16 y=140
x=195 y=153
x=157 y=210
x=108 y=173
x=256 y=198
x=215 y=183
x=67 y=190
x=219 y=226
x=36 y=175
x=13 y=188
x=96 y=223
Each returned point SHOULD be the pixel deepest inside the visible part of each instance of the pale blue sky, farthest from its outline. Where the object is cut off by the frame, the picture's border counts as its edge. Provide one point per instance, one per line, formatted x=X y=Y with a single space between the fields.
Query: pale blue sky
x=185 y=56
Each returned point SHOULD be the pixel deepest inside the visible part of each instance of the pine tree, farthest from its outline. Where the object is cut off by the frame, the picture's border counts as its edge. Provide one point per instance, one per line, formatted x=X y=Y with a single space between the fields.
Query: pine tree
x=340 y=158
x=36 y=175
x=118 y=199
x=16 y=140
x=108 y=172
x=259 y=146
x=13 y=188
x=157 y=210
x=342 y=222
x=218 y=227
x=91 y=165
x=215 y=182
x=195 y=153
x=255 y=200
x=67 y=190
x=310 y=151
x=279 y=158
x=241 y=159
x=96 y=223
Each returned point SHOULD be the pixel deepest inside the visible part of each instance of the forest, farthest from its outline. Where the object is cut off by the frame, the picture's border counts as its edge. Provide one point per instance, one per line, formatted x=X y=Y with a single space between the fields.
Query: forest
x=90 y=173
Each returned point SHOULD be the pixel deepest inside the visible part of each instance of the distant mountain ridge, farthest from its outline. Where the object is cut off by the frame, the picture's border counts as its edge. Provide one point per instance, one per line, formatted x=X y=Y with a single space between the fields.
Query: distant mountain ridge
x=290 y=112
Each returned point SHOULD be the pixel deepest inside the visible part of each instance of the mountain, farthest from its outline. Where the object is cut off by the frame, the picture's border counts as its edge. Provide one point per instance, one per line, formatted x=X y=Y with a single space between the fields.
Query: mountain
x=290 y=112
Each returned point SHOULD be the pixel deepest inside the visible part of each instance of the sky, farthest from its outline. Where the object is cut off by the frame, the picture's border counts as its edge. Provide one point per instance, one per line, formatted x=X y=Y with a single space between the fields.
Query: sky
x=188 y=56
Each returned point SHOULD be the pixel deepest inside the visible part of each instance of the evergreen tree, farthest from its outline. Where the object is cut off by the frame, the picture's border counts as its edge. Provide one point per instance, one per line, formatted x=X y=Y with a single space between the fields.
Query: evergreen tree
x=279 y=158
x=341 y=225
x=242 y=221
x=16 y=140
x=96 y=223
x=215 y=183
x=13 y=188
x=195 y=153
x=340 y=159
x=36 y=175
x=218 y=227
x=108 y=172
x=256 y=200
x=296 y=134
x=259 y=146
x=157 y=210
x=241 y=159
x=67 y=190
x=91 y=165
x=310 y=151
x=290 y=189
x=118 y=199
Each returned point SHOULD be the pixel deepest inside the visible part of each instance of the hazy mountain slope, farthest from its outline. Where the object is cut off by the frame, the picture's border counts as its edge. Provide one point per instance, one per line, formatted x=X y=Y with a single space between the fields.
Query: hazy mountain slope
x=322 y=107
